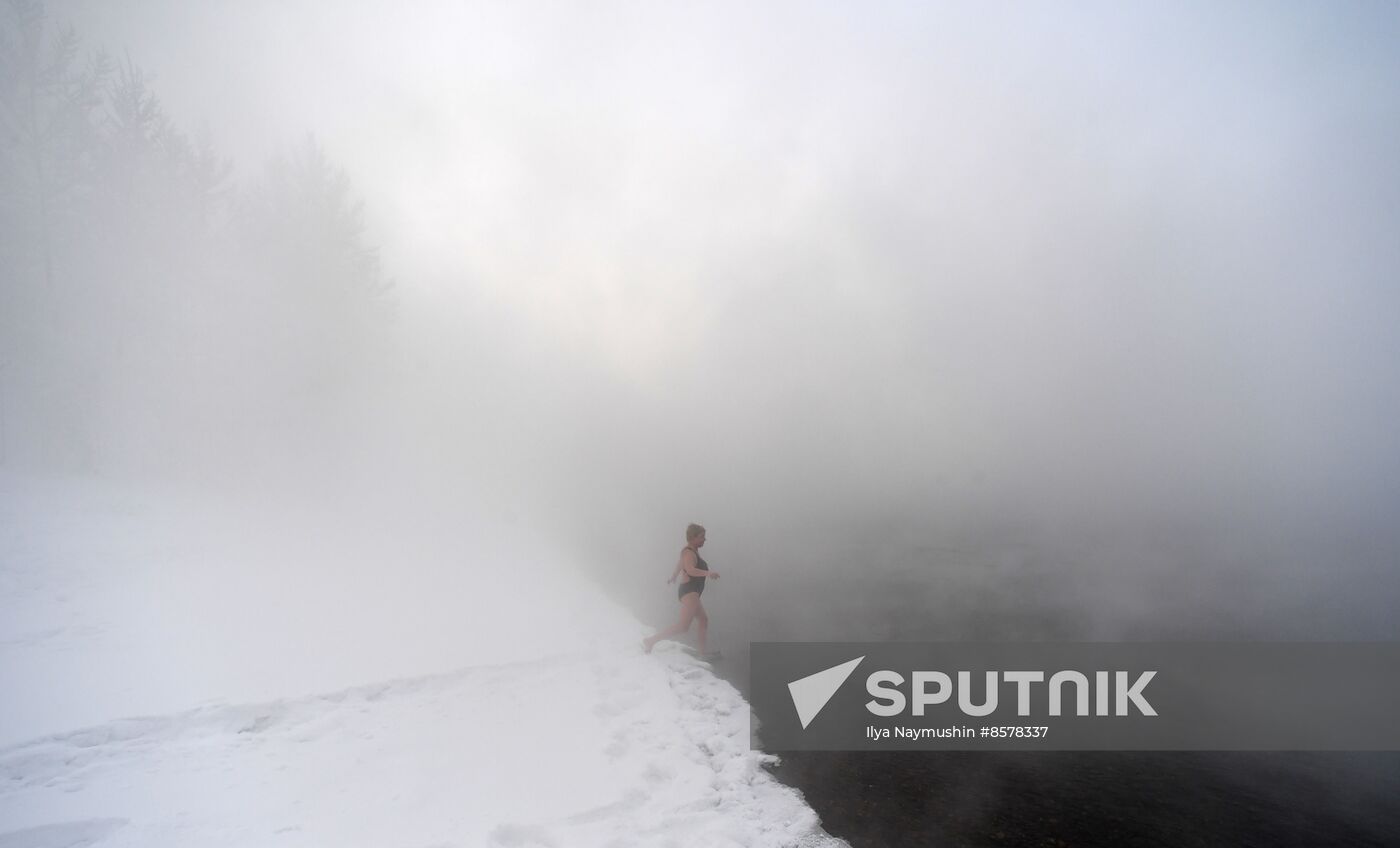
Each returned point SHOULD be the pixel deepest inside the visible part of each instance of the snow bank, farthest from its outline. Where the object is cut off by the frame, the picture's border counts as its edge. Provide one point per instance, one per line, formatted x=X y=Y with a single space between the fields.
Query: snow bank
x=606 y=748
x=485 y=723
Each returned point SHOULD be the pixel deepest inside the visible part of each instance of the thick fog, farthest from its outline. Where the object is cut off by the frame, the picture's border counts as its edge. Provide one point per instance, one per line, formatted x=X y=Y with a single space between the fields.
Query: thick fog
x=1092 y=303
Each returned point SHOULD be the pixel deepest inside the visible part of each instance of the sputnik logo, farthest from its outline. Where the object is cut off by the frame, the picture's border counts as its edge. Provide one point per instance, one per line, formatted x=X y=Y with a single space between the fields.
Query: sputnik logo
x=811 y=693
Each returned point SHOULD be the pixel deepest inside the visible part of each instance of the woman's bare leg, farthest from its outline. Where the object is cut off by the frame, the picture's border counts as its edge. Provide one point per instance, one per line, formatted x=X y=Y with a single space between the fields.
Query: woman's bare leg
x=688 y=605
x=704 y=621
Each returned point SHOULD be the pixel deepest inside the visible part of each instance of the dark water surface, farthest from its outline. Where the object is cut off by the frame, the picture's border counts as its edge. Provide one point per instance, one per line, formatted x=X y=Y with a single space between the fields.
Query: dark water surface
x=1040 y=798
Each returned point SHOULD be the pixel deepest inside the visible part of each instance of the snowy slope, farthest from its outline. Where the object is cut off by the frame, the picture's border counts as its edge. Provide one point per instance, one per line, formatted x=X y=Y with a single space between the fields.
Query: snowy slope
x=605 y=747
x=442 y=713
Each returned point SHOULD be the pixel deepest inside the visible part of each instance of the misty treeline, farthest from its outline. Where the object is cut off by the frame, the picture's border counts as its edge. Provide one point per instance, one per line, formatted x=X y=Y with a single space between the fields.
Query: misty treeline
x=154 y=310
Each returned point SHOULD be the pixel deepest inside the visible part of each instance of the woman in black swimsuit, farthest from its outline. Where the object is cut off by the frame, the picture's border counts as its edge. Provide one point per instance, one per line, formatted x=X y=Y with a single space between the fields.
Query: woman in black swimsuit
x=689 y=591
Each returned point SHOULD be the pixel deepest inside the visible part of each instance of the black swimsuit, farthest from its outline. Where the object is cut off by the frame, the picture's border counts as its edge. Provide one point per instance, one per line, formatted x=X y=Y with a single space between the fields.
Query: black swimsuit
x=694 y=584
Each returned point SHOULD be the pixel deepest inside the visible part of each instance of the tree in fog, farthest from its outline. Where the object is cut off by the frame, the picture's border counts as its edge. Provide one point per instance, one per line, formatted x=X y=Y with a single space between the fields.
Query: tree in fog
x=153 y=313
x=150 y=170
x=50 y=98
x=304 y=227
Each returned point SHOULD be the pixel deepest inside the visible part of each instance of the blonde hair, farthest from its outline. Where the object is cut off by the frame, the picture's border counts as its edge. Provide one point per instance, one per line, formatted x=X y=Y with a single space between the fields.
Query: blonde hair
x=692 y=531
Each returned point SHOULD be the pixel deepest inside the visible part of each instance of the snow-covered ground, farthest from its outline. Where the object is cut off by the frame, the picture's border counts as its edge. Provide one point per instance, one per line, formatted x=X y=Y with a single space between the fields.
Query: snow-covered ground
x=214 y=673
